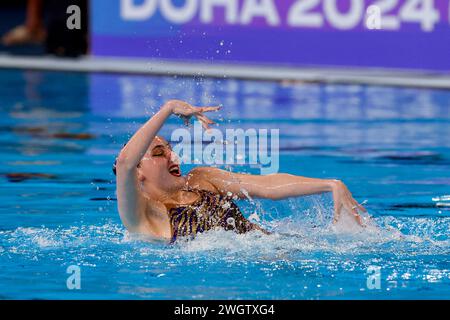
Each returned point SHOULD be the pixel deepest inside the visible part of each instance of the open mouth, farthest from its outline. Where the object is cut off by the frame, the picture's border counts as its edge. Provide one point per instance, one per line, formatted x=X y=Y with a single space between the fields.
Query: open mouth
x=175 y=170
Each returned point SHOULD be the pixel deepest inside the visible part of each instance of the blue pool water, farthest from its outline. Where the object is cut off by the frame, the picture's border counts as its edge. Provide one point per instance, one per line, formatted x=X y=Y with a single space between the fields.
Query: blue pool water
x=61 y=131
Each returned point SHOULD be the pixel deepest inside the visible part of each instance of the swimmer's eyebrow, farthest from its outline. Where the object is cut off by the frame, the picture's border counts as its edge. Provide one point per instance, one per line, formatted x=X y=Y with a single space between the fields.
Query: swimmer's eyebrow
x=162 y=146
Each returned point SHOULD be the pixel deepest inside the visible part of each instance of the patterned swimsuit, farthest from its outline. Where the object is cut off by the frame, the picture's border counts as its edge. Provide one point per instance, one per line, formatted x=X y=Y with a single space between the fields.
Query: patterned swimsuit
x=209 y=211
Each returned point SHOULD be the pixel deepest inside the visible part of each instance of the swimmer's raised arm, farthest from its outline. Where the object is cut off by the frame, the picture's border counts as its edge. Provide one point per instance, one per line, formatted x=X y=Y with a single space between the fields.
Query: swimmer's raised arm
x=279 y=186
x=137 y=146
x=131 y=201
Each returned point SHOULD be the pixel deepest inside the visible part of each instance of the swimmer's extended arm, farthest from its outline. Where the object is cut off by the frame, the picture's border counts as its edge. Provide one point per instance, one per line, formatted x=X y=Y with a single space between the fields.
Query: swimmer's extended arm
x=130 y=200
x=279 y=186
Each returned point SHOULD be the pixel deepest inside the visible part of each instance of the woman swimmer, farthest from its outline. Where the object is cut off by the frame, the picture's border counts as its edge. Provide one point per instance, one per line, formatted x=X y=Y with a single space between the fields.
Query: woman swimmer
x=155 y=199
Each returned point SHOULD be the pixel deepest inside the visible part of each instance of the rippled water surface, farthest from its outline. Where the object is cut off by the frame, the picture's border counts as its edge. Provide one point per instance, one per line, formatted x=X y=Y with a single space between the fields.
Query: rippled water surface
x=60 y=133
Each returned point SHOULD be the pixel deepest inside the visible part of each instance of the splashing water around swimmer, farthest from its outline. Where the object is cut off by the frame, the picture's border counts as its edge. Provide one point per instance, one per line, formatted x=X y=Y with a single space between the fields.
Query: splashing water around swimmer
x=303 y=240
x=61 y=209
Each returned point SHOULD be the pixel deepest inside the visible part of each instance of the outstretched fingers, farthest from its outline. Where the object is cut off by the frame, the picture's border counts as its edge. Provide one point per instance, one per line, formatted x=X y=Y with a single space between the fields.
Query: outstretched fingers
x=354 y=203
x=357 y=217
x=208 y=109
x=349 y=206
x=205 y=118
x=361 y=207
x=353 y=208
x=204 y=121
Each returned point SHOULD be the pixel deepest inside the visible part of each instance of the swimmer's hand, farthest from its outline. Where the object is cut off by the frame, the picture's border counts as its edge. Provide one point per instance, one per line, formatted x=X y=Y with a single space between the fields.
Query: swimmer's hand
x=186 y=111
x=343 y=199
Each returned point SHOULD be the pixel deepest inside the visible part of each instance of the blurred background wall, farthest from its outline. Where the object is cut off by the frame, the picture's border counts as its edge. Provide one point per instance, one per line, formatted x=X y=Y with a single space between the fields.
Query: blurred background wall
x=396 y=34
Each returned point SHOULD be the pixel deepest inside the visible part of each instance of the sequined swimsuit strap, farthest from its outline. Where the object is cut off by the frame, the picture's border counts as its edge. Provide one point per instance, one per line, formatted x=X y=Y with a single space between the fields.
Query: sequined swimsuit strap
x=182 y=217
x=210 y=210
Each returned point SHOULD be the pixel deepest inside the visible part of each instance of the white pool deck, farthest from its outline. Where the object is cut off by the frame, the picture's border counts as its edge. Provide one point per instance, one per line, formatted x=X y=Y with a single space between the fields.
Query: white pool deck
x=403 y=78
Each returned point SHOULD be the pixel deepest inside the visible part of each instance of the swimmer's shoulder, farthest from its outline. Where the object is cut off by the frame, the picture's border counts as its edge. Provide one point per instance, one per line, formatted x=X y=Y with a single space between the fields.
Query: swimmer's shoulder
x=200 y=178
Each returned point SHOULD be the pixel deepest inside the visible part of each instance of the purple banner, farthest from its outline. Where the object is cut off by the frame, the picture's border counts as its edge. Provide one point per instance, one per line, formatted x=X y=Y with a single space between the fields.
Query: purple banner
x=406 y=34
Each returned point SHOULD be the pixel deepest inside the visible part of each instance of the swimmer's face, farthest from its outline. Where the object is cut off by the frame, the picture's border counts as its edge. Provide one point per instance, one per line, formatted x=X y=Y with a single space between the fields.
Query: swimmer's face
x=160 y=165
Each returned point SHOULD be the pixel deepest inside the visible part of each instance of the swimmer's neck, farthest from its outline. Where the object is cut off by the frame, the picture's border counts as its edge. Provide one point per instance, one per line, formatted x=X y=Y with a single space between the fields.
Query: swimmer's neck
x=174 y=194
